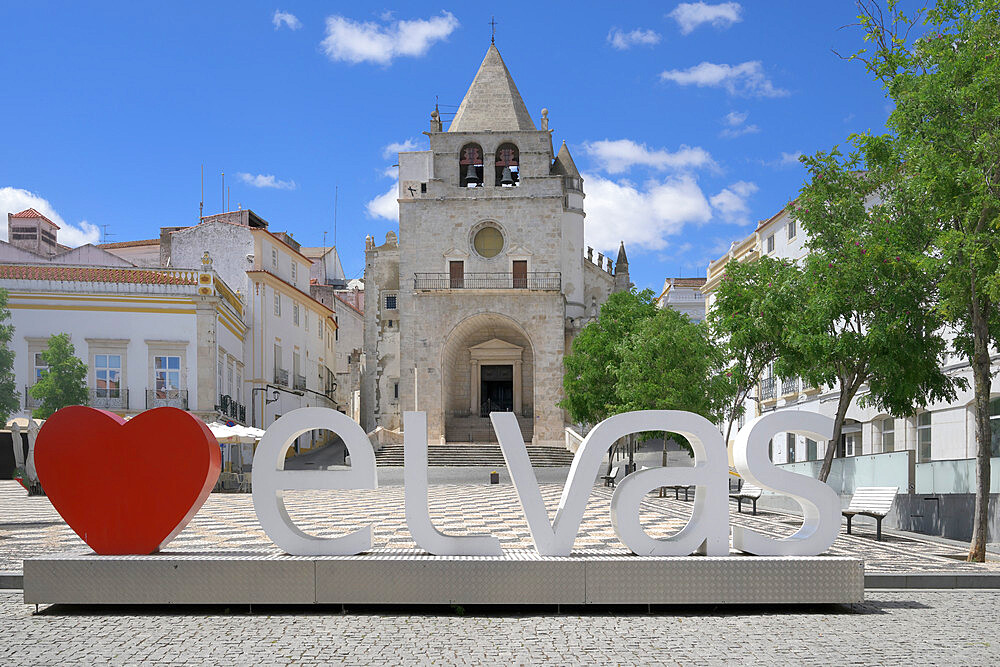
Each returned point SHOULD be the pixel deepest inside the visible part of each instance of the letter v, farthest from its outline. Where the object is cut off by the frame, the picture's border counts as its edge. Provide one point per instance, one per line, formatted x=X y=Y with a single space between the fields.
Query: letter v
x=556 y=538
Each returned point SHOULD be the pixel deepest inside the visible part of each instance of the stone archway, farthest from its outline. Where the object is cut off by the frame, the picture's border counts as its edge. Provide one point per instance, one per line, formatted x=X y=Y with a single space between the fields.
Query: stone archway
x=483 y=354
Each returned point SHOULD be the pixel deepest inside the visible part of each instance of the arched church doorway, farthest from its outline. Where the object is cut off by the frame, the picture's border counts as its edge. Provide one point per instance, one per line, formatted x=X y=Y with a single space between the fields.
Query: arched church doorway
x=487 y=365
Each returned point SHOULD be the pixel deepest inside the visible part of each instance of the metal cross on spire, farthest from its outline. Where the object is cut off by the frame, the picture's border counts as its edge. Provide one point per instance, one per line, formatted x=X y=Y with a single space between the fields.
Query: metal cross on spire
x=493 y=23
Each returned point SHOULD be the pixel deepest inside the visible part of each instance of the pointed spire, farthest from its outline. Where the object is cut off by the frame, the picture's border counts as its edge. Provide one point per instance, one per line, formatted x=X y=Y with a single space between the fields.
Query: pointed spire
x=622 y=258
x=492 y=102
x=564 y=165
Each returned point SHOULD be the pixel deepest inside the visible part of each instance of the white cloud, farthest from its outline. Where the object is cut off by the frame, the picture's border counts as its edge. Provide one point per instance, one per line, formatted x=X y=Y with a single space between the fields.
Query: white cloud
x=621 y=154
x=15 y=200
x=641 y=216
x=286 y=19
x=356 y=42
x=690 y=15
x=731 y=202
x=266 y=181
x=385 y=205
x=398 y=147
x=790 y=158
x=735 y=125
x=622 y=40
x=786 y=160
x=746 y=79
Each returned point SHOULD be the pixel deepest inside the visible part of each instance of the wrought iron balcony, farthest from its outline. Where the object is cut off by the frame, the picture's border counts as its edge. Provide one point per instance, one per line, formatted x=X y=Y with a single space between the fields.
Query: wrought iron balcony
x=300 y=382
x=789 y=386
x=537 y=281
x=110 y=399
x=281 y=377
x=230 y=408
x=167 y=398
x=766 y=389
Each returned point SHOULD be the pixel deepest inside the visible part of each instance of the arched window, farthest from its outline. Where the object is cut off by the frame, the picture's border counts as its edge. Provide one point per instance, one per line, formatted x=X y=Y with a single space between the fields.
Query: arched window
x=470 y=166
x=507 y=169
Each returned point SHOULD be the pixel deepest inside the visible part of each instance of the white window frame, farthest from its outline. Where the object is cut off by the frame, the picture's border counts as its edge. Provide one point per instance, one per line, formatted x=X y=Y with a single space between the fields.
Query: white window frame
x=792 y=230
x=395 y=301
x=108 y=346
x=295 y=313
x=295 y=273
x=770 y=244
x=277 y=303
x=274 y=258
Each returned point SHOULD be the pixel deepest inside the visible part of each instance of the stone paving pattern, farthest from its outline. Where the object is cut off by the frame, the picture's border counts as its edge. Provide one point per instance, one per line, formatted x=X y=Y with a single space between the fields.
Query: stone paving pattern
x=29 y=526
x=893 y=628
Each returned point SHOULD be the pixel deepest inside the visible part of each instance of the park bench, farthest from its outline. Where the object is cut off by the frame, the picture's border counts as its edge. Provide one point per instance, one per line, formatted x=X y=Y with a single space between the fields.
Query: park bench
x=873 y=501
x=746 y=492
x=611 y=478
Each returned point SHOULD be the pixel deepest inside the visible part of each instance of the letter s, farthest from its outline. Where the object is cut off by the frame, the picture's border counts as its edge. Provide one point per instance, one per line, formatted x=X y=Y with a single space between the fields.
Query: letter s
x=820 y=503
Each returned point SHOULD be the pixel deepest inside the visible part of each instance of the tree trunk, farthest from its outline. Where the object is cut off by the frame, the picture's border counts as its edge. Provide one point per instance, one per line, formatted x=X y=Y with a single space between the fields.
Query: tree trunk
x=847 y=393
x=981 y=381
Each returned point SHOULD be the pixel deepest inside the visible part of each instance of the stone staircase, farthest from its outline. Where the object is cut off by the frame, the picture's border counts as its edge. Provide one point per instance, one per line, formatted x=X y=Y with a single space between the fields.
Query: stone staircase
x=480 y=429
x=475 y=454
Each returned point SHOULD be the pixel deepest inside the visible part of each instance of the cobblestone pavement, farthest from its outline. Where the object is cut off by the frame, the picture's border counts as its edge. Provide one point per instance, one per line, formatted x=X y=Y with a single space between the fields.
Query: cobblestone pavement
x=894 y=628
x=30 y=526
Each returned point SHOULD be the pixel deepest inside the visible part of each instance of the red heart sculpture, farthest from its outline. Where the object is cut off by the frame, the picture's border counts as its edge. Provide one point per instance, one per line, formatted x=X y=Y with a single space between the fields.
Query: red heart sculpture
x=126 y=487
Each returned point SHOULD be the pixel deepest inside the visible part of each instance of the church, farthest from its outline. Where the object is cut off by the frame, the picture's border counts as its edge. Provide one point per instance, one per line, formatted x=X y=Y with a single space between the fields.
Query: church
x=473 y=306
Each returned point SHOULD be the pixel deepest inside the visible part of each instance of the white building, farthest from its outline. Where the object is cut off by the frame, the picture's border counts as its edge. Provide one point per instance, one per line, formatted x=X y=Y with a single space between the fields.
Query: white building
x=685 y=296
x=149 y=338
x=943 y=431
x=286 y=360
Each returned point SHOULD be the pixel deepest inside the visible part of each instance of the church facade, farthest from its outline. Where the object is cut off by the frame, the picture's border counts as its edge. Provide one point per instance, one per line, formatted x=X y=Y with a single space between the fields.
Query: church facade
x=473 y=306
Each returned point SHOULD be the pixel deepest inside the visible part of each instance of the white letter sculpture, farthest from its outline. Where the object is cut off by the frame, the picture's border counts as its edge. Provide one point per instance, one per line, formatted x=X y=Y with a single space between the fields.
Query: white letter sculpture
x=708 y=528
x=270 y=480
x=820 y=504
x=418 y=520
x=707 y=531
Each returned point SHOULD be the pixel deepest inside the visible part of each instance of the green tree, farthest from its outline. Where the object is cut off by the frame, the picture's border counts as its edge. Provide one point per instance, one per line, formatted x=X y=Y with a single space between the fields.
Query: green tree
x=942 y=155
x=866 y=317
x=10 y=398
x=752 y=307
x=64 y=382
x=590 y=380
x=636 y=356
x=669 y=362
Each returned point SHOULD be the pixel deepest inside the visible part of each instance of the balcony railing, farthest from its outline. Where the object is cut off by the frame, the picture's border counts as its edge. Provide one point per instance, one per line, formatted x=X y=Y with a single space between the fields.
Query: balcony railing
x=538 y=281
x=167 y=398
x=789 y=386
x=767 y=389
x=300 y=382
x=111 y=399
x=230 y=408
x=281 y=377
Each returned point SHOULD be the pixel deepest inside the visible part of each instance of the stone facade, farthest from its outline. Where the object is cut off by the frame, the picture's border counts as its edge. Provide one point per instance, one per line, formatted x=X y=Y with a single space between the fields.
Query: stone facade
x=474 y=306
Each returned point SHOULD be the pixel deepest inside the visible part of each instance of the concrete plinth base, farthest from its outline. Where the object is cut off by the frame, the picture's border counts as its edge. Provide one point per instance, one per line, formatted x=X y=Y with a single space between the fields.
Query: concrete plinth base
x=412 y=577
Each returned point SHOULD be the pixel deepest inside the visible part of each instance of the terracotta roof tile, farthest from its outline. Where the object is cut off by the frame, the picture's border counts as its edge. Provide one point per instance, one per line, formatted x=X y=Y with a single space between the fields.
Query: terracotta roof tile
x=90 y=274
x=32 y=213
x=689 y=282
x=129 y=244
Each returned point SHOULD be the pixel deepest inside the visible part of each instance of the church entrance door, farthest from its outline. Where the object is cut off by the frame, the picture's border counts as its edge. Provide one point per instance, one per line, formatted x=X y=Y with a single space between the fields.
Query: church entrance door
x=496 y=390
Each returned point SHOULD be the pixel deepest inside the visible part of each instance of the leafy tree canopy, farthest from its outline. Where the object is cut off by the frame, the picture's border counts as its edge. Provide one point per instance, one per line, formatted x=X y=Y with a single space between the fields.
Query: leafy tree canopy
x=65 y=381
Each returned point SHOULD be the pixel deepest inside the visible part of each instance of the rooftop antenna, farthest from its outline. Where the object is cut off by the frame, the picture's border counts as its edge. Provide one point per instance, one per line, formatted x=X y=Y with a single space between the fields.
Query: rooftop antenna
x=493 y=23
x=223 y=192
x=201 y=204
x=227 y=199
x=105 y=233
x=336 y=196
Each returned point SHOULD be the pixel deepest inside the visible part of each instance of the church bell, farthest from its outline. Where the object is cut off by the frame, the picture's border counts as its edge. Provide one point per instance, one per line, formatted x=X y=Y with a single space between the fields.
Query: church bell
x=506 y=178
x=470 y=175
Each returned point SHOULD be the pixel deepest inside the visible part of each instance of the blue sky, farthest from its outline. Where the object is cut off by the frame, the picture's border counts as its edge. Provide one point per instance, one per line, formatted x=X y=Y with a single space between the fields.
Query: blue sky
x=685 y=118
